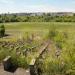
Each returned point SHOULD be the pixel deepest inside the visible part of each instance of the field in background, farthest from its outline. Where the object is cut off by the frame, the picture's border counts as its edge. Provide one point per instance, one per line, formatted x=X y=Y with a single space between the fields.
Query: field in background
x=21 y=29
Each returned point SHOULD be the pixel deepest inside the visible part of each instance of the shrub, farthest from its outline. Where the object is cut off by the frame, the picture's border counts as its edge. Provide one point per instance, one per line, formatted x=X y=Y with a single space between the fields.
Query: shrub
x=2 y=30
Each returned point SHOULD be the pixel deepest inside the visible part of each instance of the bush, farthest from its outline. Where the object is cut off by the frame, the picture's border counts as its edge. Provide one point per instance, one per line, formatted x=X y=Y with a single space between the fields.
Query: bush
x=2 y=30
x=19 y=61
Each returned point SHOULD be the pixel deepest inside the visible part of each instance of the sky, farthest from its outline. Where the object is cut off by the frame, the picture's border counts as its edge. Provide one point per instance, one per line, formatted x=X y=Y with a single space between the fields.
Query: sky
x=17 y=6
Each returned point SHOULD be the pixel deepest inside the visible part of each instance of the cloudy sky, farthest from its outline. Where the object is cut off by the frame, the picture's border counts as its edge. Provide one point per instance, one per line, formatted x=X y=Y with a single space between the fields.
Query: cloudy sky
x=14 y=6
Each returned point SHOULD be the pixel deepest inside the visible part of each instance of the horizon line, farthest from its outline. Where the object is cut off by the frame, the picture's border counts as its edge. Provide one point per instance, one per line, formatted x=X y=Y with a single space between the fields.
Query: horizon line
x=36 y=12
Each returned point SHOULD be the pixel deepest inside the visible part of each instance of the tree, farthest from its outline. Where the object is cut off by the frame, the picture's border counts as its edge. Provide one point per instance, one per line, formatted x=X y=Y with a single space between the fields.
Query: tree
x=2 y=30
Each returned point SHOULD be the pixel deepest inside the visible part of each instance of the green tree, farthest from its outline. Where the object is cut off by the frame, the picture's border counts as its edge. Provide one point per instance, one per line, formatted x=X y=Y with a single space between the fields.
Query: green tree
x=2 y=30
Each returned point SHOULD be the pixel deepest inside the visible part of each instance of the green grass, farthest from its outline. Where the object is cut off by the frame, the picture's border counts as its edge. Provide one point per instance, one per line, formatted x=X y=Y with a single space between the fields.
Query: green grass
x=51 y=64
x=41 y=28
x=22 y=29
x=38 y=26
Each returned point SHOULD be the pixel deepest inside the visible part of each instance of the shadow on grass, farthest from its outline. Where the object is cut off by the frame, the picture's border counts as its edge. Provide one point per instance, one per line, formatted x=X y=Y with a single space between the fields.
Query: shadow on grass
x=6 y=35
x=12 y=69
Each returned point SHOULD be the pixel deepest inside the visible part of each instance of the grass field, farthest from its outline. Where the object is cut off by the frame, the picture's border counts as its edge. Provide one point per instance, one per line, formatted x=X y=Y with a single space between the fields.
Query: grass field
x=50 y=64
x=37 y=26
x=19 y=30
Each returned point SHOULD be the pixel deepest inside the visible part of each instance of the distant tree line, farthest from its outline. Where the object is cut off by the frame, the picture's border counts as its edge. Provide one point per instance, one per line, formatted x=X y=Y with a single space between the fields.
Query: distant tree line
x=37 y=18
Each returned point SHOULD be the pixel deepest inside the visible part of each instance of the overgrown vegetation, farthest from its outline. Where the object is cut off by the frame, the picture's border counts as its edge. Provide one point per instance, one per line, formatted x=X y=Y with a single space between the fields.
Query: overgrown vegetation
x=59 y=58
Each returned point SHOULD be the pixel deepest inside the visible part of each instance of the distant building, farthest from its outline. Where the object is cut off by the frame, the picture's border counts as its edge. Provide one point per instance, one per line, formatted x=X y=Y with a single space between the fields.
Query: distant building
x=62 y=14
x=40 y=14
